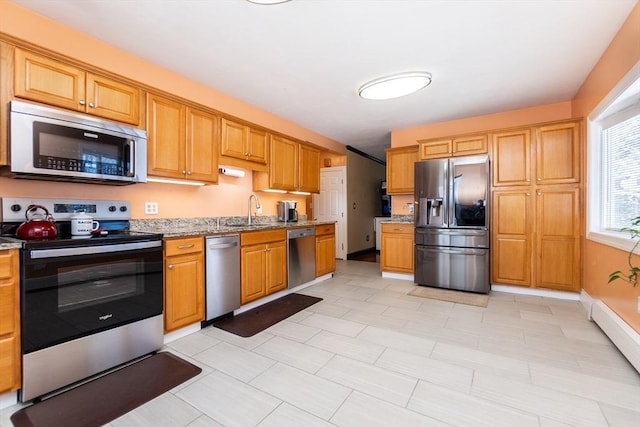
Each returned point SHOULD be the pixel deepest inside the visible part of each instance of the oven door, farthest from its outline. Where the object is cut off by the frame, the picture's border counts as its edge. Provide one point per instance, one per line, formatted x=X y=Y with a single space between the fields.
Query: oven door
x=71 y=292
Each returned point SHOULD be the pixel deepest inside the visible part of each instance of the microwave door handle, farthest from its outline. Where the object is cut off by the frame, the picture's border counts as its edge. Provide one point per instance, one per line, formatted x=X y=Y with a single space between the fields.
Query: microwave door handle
x=132 y=153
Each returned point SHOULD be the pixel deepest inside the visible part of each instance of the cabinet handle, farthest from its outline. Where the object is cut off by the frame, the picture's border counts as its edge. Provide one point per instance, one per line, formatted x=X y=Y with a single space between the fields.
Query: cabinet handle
x=91 y=104
x=82 y=102
x=188 y=172
x=397 y=229
x=539 y=179
x=170 y=266
x=539 y=193
x=528 y=194
x=186 y=246
x=184 y=172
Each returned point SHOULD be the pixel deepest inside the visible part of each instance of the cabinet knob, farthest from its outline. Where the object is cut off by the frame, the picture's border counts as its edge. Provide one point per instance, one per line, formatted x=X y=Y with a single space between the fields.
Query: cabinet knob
x=539 y=179
x=539 y=193
x=91 y=104
x=170 y=266
x=82 y=102
x=186 y=246
x=184 y=172
x=188 y=172
x=528 y=194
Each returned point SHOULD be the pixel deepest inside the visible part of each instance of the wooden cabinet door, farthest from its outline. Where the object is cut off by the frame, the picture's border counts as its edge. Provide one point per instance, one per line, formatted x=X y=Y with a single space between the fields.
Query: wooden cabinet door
x=276 y=273
x=283 y=164
x=309 y=179
x=9 y=363
x=253 y=272
x=45 y=80
x=325 y=254
x=511 y=158
x=257 y=145
x=233 y=141
x=165 y=137
x=436 y=149
x=558 y=153
x=512 y=224
x=184 y=290
x=469 y=145
x=397 y=245
x=112 y=100
x=201 y=146
x=9 y=321
x=558 y=238
x=400 y=169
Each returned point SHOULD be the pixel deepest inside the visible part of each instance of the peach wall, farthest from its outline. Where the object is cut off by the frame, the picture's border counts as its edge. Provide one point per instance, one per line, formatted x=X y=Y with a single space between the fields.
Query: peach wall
x=506 y=119
x=600 y=260
x=226 y=199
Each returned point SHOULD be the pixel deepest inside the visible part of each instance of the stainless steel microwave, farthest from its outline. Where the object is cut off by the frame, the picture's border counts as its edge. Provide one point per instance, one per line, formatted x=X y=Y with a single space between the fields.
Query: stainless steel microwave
x=53 y=144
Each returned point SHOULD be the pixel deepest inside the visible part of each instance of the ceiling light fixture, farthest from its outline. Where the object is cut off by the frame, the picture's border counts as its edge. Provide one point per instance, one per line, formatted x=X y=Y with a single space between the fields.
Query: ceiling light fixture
x=395 y=86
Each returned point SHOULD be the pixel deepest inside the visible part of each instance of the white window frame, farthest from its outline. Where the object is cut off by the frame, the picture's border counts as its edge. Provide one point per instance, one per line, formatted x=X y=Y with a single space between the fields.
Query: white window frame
x=595 y=197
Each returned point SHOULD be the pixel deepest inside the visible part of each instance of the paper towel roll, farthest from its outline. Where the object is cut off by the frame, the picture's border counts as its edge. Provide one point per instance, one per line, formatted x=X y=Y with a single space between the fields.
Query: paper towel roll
x=232 y=172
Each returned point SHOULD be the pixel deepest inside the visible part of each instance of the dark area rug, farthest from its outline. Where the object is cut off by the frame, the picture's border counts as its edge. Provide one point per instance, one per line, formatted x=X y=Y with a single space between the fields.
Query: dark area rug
x=109 y=397
x=260 y=318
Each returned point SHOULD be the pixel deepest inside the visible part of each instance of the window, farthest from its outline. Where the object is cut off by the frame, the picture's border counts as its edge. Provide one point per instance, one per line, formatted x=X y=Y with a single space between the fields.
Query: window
x=614 y=163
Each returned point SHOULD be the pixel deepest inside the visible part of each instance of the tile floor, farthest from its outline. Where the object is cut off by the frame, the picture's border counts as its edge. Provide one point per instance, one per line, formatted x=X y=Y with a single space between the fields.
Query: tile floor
x=371 y=355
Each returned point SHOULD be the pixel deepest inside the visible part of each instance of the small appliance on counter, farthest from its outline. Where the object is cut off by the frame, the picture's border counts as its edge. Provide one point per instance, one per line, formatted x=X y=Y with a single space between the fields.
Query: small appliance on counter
x=287 y=211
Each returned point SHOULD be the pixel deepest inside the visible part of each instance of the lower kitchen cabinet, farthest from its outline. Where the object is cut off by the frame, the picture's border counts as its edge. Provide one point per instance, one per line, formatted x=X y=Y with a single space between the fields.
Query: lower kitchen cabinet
x=183 y=282
x=9 y=321
x=325 y=249
x=536 y=237
x=263 y=263
x=397 y=246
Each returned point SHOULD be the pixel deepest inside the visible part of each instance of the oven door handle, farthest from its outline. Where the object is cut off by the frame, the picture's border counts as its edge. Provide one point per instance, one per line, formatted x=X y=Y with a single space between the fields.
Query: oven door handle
x=89 y=250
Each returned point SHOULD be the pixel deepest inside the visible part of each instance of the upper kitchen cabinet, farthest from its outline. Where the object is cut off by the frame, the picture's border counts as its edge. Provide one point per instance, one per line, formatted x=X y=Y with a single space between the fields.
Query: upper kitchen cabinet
x=243 y=146
x=511 y=155
x=5 y=60
x=293 y=166
x=400 y=169
x=453 y=147
x=309 y=174
x=558 y=153
x=42 y=79
x=554 y=155
x=182 y=141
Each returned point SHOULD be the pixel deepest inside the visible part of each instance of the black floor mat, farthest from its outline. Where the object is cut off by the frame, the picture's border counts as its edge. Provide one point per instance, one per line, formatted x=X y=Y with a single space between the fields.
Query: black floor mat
x=260 y=318
x=106 y=398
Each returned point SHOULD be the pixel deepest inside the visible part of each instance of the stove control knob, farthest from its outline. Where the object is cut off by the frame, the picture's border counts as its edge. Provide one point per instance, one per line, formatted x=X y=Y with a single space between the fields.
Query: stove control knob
x=123 y=208
x=16 y=208
x=112 y=208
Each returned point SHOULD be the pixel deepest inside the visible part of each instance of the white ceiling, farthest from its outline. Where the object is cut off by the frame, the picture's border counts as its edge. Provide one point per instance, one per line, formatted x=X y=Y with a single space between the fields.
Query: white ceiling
x=305 y=59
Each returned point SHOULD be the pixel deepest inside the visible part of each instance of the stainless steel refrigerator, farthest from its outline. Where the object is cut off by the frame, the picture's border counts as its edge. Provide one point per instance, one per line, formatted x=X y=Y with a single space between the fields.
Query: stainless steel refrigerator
x=452 y=223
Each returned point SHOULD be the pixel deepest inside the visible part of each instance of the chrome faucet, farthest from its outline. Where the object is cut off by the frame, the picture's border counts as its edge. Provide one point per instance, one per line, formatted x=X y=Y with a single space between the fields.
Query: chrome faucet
x=249 y=210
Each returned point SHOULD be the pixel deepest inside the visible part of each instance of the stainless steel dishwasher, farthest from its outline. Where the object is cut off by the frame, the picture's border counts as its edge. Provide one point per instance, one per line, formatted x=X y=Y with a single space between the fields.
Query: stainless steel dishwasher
x=301 y=256
x=222 y=275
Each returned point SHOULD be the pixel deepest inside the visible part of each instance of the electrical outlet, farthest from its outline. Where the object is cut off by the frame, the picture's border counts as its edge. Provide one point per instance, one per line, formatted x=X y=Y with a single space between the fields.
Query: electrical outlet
x=151 y=208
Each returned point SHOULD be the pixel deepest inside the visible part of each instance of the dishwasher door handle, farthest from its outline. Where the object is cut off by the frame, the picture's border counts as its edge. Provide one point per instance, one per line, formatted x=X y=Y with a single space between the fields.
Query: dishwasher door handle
x=223 y=245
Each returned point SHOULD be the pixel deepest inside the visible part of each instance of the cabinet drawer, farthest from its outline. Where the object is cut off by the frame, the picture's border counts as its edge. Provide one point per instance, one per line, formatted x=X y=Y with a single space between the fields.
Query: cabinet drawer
x=324 y=229
x=183 y=246
x=6 y=263
x=397 y=228
x=258 y=237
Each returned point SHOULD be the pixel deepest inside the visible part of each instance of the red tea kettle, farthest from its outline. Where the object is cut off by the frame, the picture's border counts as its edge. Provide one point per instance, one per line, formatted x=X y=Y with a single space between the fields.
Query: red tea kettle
x=38 y=226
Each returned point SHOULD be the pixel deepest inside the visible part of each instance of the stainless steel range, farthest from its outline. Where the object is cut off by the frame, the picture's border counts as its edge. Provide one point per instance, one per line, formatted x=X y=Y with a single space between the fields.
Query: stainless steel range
x=88 y=304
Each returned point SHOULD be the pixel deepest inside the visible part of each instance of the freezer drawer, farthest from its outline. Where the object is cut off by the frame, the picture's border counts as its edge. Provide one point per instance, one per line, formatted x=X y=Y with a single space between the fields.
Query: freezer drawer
x=458 y=237
x=462 y=269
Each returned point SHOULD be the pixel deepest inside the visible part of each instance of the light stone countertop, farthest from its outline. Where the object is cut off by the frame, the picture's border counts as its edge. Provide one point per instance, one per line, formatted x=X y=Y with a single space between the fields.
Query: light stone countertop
x=10 y=243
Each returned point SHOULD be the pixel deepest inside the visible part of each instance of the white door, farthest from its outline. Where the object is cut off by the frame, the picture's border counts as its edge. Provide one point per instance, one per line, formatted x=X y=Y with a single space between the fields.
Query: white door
x=331 y=204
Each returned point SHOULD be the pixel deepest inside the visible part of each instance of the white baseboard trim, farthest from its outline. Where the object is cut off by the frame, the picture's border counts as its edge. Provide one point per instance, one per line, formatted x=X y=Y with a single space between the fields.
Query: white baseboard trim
x=182 y=332
x=8 y=399
x=619 y=332
x=400 y=276
x=536 y=292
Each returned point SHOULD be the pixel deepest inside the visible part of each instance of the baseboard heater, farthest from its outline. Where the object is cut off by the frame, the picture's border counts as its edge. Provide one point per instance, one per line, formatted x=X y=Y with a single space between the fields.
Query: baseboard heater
x=619 y=332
